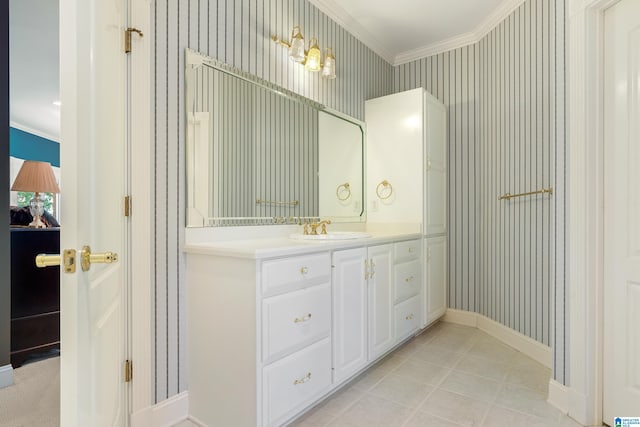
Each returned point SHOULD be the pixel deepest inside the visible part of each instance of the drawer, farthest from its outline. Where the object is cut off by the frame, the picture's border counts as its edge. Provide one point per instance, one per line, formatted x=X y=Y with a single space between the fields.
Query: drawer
x=408 y=280
x=407 y=316
x=287 y=274
x=295 y=381
x=407 y=250
x=294 y=320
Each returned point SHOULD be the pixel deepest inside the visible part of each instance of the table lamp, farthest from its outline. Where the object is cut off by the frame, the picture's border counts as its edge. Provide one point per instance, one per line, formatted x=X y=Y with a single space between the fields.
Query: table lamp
x=39 y=178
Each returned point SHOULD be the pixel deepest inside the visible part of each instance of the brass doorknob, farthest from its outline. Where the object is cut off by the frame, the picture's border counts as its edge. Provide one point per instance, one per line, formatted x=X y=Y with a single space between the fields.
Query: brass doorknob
x=87 y=258
x=67 y=259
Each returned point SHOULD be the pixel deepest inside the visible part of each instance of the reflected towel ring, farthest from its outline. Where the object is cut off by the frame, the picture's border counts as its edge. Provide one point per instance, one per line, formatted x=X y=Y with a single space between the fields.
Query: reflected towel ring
x=385 y=185
x=343 y=188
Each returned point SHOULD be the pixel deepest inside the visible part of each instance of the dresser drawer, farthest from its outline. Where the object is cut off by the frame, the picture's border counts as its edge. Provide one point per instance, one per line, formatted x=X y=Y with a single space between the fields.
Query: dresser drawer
x=408 y=280
x=295 y=319
x=404 y=251
x=292 y=273
x=407 y=316
x=295 y=381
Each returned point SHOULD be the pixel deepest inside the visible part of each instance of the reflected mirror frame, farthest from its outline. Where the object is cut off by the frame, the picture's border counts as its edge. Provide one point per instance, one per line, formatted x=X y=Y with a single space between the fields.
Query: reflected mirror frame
x=194 y=60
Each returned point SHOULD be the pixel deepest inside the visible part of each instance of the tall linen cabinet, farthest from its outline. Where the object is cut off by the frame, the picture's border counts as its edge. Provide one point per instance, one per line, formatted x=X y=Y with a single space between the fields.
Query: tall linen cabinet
x=407 y=180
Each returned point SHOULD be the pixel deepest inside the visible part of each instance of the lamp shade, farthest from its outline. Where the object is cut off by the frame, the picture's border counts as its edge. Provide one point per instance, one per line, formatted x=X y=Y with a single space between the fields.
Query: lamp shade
x=313 y=56
x=37 y=177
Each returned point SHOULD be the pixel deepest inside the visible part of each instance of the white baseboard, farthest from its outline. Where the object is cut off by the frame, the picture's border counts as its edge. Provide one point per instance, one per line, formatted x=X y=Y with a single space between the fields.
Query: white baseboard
x=532 y=348
x=164 y=414
x=558 y=396
x=461 y=317
x=6 y=376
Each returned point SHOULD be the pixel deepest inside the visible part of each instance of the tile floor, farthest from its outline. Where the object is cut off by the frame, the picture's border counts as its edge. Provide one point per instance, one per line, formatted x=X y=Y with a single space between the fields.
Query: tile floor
x=449 y=376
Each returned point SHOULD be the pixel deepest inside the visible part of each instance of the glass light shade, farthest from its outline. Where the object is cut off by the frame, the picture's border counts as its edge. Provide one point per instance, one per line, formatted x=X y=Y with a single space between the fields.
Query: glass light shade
x=296 y=51
x=329 y=67
x=313 y=56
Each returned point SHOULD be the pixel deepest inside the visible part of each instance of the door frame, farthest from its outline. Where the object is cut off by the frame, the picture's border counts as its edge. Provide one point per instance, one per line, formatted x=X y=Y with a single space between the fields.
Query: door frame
x=586 y=207
x=142 y=208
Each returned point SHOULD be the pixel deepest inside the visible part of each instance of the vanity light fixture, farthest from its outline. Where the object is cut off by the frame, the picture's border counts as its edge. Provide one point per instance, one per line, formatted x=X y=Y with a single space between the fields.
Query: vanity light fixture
x=312 y=58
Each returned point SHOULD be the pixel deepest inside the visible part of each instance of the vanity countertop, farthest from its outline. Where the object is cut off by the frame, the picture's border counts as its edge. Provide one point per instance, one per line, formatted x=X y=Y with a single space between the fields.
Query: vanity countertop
x=284 y=246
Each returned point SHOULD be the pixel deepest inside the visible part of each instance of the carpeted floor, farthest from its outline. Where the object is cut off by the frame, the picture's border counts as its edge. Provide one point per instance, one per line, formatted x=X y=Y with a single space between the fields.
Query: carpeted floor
x=34 y=399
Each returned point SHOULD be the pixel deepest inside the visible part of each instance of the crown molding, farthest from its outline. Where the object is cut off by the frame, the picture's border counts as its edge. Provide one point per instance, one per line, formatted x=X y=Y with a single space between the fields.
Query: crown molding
x=34 y=132
x=334 y=11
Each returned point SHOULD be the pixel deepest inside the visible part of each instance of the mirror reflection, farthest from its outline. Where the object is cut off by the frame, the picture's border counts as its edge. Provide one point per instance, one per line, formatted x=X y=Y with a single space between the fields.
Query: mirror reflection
x=258 y=154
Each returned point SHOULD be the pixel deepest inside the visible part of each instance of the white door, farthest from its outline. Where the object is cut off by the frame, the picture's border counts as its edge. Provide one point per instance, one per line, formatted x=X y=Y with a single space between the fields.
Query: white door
x=622 y=212
x=381 y=330
x=94 y=179
x=349 y=312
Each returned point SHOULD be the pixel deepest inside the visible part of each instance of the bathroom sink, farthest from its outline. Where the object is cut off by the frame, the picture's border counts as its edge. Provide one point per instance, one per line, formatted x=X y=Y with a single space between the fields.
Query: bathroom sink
x=332 y=235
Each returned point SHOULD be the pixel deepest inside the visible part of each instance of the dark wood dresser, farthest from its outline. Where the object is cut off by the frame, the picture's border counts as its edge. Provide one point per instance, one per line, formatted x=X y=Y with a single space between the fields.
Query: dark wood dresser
x=35 y=294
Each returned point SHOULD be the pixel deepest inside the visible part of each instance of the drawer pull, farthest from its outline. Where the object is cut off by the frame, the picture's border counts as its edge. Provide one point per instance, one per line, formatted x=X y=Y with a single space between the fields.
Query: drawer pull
x=409 y=317
x=410 y=250
x=302 y=319
x=408 y=279
x=303 y=380
x=304 y=270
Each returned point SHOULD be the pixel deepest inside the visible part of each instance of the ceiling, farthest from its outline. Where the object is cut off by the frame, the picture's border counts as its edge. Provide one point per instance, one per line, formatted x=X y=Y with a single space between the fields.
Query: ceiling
x=405 y=30
x=398 y=30
x=34 y=79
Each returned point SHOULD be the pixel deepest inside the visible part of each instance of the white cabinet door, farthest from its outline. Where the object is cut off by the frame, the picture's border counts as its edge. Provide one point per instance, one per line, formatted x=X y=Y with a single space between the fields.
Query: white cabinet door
x=435 y=209
x=350 y=312
x=394 y=155
x=381 y=332
x=436 y=277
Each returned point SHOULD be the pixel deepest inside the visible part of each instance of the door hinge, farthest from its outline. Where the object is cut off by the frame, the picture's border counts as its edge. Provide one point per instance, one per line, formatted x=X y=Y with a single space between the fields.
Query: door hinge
x=128 y=371
x=127 y=38
x=127 y=205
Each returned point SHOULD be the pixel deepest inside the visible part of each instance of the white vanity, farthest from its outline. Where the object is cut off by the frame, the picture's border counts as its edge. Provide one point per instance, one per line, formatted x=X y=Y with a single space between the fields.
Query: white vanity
x=277 y=324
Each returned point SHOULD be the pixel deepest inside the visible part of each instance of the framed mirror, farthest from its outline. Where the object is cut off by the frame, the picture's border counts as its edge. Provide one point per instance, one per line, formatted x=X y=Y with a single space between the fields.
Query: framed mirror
x=258 y=154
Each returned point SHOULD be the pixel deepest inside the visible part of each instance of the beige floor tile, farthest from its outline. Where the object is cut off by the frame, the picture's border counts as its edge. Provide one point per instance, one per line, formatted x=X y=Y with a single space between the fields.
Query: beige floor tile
x=454 y=342
x=502 y=417
x=490 y=369
x=529 y=373
x=437 y=355
x=493 y=350
x=317 y=417
x=407 y=349
x=471 y=385
x=423 y=419
x=371 y=411
x=424 y=372
x=369 y=378
x=456 y=408
x=341 y=400
x=526 y=400
x=402 y=390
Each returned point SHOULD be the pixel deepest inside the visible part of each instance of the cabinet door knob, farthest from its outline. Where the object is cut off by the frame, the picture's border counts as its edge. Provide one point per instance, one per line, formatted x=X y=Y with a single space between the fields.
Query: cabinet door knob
x=303 y=318
x=409 y=317
x=303 y=379
x=408 y=279
x=304 y=270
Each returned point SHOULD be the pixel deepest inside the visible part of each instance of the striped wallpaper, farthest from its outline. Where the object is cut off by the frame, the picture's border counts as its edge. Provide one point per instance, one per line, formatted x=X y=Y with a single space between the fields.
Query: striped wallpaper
x=505 y=98
x=236 y=32
x=506 y=111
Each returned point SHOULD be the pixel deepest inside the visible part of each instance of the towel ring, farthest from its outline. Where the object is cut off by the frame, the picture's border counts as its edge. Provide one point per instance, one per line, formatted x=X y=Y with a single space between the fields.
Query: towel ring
x=384 y=184
x=343 y=188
